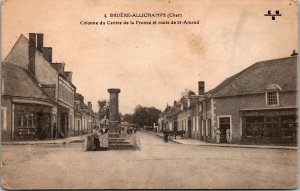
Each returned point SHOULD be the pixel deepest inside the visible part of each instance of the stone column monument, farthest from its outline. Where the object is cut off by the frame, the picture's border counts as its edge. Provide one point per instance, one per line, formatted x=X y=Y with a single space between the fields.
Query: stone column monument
x=114 y=110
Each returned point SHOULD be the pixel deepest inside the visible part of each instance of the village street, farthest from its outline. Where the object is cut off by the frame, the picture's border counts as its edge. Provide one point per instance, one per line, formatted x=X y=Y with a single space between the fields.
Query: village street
x=156 y=165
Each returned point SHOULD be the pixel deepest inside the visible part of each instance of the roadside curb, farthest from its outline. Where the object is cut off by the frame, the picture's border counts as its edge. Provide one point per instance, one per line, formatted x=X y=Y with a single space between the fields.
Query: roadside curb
x=43 y=142
x=232 y=145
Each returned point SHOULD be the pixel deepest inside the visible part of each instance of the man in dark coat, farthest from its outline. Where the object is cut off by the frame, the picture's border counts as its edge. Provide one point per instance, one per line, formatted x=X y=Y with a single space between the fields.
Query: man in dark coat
x=166 y=132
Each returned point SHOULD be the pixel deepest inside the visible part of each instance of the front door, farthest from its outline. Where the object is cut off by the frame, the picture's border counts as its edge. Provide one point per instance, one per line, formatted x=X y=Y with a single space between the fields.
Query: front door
x=189 y=128
x=224 y=125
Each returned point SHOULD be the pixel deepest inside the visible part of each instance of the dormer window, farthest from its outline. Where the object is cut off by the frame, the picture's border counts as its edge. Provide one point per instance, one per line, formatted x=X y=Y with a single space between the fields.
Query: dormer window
x=189 y=103
x=272 y=95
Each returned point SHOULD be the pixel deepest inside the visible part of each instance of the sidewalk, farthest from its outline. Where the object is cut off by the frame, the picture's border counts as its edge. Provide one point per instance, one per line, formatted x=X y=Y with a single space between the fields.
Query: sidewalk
x=201 y=143
x=57 y=141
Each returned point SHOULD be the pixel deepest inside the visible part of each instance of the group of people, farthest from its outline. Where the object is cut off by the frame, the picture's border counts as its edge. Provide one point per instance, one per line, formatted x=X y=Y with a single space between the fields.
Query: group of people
x=98 y=140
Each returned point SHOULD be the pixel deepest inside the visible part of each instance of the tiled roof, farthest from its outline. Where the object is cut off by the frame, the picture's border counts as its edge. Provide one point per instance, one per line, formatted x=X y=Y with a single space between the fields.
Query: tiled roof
x=256 y=78
x=19 y=82
x=19 y=56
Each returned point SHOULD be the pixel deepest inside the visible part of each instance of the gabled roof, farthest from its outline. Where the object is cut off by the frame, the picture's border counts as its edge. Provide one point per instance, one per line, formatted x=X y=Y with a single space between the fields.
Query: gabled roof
x=19 y=55
x=20 y=82
x=256 y=78
x=19 y=52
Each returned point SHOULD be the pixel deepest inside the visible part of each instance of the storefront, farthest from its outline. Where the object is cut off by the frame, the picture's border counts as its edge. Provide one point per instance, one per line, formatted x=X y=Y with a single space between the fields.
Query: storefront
x=32 y=121
x=270 y=125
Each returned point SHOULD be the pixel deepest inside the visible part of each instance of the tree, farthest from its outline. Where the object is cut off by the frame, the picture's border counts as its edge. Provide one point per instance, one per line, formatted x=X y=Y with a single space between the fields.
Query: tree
x=145 y=115
x=103 y=108
x=128 y=117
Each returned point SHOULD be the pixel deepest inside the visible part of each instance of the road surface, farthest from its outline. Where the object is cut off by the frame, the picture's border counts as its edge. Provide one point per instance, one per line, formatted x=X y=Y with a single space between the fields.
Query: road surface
x=156 y=165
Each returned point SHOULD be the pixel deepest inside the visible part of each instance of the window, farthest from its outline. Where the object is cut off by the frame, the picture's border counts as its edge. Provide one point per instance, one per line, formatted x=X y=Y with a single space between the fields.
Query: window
x=3 y=118
x=209 y=127
x=272 y=94
x=289 y=126
x=255 y=127
x=272 y=98
x=200 y=107
x=271 y=123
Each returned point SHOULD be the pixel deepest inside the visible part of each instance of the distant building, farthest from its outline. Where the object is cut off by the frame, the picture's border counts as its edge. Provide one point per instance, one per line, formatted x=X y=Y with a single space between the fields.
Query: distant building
x=160 y=122
x=85 y=117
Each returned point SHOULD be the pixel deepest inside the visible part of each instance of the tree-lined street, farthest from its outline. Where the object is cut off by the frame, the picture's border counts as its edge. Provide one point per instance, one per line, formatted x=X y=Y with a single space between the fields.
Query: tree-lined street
x=156 y=165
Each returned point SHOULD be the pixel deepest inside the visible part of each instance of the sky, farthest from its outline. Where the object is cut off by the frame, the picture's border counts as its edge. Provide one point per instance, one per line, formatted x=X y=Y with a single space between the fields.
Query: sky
x=153 y=64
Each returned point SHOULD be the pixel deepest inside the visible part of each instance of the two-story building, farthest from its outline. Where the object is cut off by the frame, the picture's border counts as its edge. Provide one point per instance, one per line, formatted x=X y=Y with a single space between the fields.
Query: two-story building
x=257 y=105
x=26 y=109
x=31 y=55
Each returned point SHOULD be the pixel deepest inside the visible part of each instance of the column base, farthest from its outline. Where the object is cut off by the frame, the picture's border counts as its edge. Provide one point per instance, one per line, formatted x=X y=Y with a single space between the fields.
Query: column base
x=114 y=127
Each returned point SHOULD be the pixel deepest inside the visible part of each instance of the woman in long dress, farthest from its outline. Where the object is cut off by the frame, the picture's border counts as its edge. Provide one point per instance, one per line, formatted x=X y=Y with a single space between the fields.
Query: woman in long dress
x=104 y=140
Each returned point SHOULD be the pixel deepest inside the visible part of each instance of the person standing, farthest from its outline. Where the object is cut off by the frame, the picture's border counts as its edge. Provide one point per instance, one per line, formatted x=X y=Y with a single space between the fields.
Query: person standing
x=166 y=135
x=228 y=135
x=218 y=135
x=104 y=140
x=95 y=139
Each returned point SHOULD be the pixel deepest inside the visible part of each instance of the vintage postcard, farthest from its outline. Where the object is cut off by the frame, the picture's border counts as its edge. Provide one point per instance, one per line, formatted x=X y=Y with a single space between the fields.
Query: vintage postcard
x=149 y=94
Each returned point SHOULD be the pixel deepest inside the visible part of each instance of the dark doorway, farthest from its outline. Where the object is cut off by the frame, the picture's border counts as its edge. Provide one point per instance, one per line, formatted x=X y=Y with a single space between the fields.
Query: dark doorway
x=63 y=125
x=189 y=128
x=175 y=126
x=43 y=126
x=224 y=125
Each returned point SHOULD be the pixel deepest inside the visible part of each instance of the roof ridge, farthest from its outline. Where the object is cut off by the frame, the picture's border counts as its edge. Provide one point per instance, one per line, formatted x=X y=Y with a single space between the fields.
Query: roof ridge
x=235 y=76
x=21 y=35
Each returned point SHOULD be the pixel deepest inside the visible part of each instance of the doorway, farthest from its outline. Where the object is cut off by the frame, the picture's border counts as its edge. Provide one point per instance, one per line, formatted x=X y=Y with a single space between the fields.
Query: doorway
x=224 y=124
x=43 y=126
x=63 y=125
x=189 y=128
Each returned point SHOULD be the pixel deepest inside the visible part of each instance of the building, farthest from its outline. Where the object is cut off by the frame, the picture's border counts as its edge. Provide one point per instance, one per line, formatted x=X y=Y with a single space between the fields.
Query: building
x=85 y=117
x=31 y=55
x=26 y=109
x=160 y=122
x=257 y=105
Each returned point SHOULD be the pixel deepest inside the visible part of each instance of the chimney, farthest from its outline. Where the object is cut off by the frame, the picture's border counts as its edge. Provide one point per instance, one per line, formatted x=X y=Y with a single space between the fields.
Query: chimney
x=31 y=52
x=201 y=89
x=294 y=53
x=59 y=67
x=90 y=105
x=40 y=42
x=68 y=75
x=175 y=103
x=47 y=53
